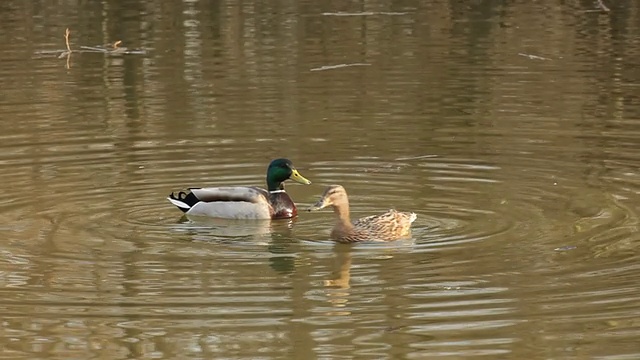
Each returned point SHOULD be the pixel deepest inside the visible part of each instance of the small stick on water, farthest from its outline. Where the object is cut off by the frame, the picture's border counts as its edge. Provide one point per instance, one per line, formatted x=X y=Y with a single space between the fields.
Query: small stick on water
x=116 y=44
x=602 y=6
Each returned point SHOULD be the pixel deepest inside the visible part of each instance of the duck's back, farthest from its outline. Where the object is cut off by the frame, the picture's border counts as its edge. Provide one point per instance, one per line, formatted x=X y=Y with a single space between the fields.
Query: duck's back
x=389 y=226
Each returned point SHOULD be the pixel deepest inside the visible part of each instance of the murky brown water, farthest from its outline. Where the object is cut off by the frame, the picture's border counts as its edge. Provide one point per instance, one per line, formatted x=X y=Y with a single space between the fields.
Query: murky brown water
x=512 y=131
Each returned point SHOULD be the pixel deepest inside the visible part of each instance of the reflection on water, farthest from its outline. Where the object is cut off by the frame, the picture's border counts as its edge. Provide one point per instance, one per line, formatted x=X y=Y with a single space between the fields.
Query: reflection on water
x=209 y=229
x=343 y=268
x=510 y=129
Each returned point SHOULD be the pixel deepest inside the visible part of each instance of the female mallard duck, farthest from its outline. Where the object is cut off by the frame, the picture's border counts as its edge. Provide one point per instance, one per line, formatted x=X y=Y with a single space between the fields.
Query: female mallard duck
x=389 y=226
x=244 y=202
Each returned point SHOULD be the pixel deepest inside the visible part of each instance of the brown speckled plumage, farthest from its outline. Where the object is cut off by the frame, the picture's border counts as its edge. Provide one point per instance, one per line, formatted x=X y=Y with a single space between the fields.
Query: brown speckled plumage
x=392 y=225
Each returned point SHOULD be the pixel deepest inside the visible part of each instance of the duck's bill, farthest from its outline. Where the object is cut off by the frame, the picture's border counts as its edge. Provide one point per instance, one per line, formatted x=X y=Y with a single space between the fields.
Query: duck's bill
x=295 y=176
x=317 y=206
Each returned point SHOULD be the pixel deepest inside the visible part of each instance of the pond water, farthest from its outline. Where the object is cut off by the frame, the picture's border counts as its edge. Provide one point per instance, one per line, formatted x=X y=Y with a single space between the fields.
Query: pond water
x=511 y=129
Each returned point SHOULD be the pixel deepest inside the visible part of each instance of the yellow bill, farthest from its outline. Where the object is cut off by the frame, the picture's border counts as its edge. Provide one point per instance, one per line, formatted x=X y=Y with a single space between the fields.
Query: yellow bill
x=295 y=176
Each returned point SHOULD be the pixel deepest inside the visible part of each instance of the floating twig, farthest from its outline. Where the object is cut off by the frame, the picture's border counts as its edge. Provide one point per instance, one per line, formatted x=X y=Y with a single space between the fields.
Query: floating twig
x=364 y=13
x=93 y=49
x=419 y=157
x=331 y=67
x=533 y=57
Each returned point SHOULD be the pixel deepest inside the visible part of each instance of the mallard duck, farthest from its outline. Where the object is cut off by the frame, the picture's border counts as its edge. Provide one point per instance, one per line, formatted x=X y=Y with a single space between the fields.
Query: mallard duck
x=389 y=226
x=244 y=202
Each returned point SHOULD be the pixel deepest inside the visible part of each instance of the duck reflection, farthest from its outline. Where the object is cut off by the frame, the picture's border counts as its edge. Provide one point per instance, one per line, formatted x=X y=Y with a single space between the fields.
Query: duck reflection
x=338 y=285
x=275 y=234
x=219 y=229
x=341 y=274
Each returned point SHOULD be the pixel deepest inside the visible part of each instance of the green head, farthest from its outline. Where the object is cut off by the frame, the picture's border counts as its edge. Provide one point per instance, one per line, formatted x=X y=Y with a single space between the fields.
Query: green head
x=279 y=171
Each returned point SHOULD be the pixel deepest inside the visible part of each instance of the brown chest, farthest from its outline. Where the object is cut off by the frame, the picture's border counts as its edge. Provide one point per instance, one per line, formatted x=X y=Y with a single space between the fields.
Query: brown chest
x=283 y=206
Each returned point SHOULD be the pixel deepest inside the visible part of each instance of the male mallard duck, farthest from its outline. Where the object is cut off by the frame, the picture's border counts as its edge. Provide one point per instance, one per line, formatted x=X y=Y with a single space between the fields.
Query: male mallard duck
x=244 y=202
x=389 y=226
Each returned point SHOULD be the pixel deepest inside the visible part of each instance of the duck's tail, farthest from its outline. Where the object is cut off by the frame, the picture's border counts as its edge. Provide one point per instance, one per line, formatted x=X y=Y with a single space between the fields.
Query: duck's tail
x=183 y=200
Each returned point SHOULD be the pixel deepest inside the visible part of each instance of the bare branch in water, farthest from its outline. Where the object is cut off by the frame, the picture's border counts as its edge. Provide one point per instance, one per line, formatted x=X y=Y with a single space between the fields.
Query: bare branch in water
x=93 y=49
x=364 y=13
x=533 y=57
x=66 y=39
x=109 y=49
x=331 y=67
x=602 y=6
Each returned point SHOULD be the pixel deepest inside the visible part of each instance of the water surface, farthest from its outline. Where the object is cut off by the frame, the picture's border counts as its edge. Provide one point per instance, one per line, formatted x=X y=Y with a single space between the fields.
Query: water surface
x=510 y=129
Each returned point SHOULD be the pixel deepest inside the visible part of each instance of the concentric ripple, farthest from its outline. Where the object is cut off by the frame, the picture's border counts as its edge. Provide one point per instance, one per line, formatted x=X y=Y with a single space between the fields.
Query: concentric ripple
x=519 y=157
x=448 y=194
